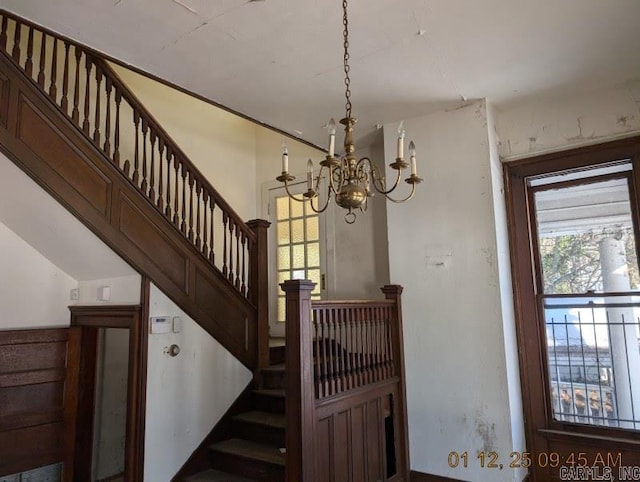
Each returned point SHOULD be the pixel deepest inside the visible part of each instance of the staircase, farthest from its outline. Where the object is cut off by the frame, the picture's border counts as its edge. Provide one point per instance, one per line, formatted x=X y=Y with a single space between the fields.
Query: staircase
x=256 y=451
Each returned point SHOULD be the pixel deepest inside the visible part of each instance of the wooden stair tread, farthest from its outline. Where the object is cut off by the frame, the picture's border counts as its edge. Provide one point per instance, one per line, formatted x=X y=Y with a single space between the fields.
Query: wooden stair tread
x=280 y=367
x=250 y=450
x=216 y=476
x=271 y=392
x=274 y=420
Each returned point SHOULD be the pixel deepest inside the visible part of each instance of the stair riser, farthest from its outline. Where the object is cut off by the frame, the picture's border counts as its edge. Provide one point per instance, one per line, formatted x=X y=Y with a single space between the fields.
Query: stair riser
x=269 y=404
x=274 y=379
x=259 y=433
x=277 y=355
x=246 y=467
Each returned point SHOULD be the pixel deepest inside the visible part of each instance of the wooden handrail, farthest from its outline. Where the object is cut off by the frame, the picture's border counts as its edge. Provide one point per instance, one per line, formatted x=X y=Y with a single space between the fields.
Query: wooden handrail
x=92 y=95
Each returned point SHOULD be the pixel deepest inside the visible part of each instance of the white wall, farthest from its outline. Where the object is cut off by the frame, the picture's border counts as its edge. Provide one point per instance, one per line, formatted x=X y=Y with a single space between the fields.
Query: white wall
x=220 y=144
x=125 y=290
x=187 y=394
x=443 y=249
x=538 y=125
x=34 y=292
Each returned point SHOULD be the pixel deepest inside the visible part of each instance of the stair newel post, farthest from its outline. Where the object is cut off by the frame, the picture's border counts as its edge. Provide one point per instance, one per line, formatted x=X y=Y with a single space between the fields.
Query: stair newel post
x=301 y=397
x=259 y=285
x=394 y=292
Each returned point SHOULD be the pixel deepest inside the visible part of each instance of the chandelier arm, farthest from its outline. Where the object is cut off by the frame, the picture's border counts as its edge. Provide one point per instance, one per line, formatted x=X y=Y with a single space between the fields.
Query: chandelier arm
x=413 y=190
x=377 y=180
x=292 y=196
x=324 y=208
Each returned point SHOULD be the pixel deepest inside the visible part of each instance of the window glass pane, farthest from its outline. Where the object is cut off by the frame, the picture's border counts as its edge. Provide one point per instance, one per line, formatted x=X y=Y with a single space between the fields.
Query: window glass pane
x=281 y=309
x=282 y=207
x=282 y=277
x=283 y=257
x=298 y=256
x=314 y=275
x=298 y=274
x=583 y=231
x=313 y=233
x=297 y=231
x=296 y=209
x=313 y=254
x=283 y=233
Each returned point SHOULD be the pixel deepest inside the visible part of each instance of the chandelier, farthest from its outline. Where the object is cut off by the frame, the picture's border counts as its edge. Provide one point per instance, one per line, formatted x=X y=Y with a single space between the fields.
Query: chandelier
x=348 y=179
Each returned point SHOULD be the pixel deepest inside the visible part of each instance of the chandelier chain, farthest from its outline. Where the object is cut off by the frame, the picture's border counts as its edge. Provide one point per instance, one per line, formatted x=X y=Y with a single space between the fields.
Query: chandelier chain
x=347 y=79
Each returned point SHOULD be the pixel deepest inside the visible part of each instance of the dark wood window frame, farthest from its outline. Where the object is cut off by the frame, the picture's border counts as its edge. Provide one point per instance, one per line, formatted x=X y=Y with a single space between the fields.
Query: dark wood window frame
x=88 y=319
x=545 y=435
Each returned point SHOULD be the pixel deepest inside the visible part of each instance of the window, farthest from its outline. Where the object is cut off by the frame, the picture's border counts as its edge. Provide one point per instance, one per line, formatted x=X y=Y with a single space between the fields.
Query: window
x=297 y=250
x=574 y=220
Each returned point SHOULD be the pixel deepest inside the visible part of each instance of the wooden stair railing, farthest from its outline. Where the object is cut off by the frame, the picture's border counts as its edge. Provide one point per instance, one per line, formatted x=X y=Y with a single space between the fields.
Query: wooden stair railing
x=346 y=397
x=92 y=97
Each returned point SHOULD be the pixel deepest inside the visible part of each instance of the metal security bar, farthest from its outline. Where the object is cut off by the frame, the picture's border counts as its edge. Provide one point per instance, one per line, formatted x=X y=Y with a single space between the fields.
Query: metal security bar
x=593 y=358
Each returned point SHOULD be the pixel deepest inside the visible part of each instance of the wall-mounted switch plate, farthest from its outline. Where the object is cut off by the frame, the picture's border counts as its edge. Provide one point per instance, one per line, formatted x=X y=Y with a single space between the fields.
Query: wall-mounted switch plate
x=74 y=294
x=104 y=293
x=177 y=324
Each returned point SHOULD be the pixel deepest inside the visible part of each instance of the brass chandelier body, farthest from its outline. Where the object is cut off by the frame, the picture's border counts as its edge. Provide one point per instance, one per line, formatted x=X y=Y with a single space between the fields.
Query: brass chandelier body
x=348 y=179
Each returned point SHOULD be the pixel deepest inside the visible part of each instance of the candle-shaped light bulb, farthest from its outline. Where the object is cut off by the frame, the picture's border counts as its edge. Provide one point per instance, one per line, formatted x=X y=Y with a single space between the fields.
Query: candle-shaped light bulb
x=412 y=156
x=309 y=174
x=332 y=137
x=285 y=157
x=401 y=140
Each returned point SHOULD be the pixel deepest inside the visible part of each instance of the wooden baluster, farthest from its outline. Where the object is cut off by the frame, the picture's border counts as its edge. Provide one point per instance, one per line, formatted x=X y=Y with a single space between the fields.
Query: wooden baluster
x=3 y=33
x=243 y=287
x=136 y=155
x=43 y=58
x=348 y=316
x=341 y=347
x=169 y=155
x=231 y=229
x=331 y=384
x=205 y=230
x=107 y=123
x=64 y=102
x=96 y=130
x=237 y=281
x=212 y=254
x=191 y=235
x=369 y=338
x=317 y=361
x=87 y=95
x=390 y=362
x=76 y=91
x=363 y=344
x=225 y=271
x=325 y=338
x=183 y=226
x=145 y=128
x=376 y=344
x=28 y=66
x=152 y=175
x=53 y=86
x=16 y=42
x=160 y=202
x=198 y=201
x=336 y=353
x=176 y=218
x=116 y=133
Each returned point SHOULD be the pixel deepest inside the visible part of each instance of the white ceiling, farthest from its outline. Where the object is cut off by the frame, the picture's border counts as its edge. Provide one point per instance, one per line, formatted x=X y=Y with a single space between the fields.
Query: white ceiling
x=280 y=61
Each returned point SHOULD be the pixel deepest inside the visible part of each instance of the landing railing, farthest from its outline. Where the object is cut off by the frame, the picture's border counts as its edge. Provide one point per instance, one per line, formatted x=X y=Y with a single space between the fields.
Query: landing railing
x=92 y=95
x=346 y=402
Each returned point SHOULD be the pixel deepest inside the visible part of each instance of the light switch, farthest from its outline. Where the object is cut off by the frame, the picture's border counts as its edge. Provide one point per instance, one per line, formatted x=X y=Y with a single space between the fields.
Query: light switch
x=177 y=324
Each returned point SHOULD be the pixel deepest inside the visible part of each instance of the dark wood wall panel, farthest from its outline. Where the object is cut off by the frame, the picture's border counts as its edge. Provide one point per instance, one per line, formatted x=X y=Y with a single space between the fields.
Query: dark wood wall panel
x=34 y=367
x=350 y=440
x=39 y=134
x=4 y=100
x=42 y=141
x=141 y=231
